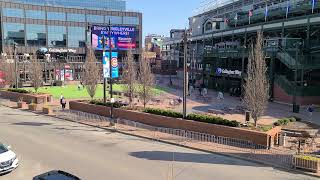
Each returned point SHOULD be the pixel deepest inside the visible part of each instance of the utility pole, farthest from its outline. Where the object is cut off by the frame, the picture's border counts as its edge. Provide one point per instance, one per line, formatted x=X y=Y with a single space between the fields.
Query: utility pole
x=185 y=74
x=110 y=69
x=15 y=65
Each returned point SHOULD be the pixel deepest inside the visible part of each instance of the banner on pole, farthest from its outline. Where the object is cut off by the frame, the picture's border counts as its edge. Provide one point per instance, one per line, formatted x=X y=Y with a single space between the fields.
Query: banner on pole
x=114 y=65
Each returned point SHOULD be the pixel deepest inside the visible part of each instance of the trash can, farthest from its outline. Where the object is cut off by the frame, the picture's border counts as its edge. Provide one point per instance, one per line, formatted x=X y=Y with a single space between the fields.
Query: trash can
x=248 y=115
x=296 y=108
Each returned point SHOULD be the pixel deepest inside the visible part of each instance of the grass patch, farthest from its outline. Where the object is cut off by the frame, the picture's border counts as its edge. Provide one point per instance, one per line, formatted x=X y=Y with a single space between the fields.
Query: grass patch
x=72 y=91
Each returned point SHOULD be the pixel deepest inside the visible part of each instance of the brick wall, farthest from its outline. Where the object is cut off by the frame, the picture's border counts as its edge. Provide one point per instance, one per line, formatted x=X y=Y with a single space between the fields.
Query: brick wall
x=161 y=121
x=281 y=96
x=14 y=96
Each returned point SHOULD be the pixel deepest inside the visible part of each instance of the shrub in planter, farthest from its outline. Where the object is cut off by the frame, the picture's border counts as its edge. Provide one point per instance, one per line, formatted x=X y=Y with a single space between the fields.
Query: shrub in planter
x=108 y=104
x=162 y=112
x=212 y=120
x=22 y=91
x=284 y=121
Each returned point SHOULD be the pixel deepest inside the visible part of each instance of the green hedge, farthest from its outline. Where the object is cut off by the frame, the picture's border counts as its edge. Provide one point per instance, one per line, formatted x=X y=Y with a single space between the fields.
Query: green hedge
x=212 y=120
x=162 y=112
x=286 y=121
x=22 y=91
x=108 y=104
x=193 y=117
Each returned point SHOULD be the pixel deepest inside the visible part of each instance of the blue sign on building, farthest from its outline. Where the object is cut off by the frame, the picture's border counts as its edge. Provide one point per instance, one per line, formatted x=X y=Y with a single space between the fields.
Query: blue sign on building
x=114 y=65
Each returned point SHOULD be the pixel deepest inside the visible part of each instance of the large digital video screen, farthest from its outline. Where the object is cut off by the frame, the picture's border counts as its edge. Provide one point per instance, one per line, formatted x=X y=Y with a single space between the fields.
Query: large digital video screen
x=122 y=37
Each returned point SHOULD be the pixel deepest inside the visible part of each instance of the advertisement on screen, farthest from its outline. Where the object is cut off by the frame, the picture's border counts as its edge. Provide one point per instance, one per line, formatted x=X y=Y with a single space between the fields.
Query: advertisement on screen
x=122 y=37
x=114 y=65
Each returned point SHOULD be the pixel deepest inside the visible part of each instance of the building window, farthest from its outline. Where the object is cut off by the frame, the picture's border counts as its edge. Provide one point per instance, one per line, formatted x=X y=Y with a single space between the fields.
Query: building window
x=131 y=20
x=208 y=26
x=76 y=37
x=32 y=14
x=95 y=18
x=58 y=16
x=76 y=17
x=57 y=36
x=114 y=19
x=13 y=12
x=36 y=35
x=14 y=33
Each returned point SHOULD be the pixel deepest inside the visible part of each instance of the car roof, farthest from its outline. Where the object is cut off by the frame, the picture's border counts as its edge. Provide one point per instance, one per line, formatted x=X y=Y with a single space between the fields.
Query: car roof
x=56 y=175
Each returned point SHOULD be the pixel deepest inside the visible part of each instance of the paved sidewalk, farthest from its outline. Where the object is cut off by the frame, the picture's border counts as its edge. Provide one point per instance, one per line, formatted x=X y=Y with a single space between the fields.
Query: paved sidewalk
x=274 y=111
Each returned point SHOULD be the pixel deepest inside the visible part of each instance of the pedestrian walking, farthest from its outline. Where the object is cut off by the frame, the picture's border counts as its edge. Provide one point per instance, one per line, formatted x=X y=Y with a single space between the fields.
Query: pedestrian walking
x=61 y=97
x=63 y=103
x=311 y=110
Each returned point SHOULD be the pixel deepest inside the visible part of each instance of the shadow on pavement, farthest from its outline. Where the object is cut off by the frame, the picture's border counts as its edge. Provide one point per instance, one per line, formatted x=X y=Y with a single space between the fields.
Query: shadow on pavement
x=191 y=157
x=31 y=124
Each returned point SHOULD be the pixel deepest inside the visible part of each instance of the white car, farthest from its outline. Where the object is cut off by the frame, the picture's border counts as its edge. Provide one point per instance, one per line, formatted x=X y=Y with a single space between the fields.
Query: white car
x=8 y=159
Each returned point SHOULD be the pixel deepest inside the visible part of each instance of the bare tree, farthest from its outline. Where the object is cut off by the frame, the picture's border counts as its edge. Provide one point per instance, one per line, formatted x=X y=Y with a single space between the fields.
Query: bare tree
x=130 y=76
x=8 y=67
x=91 y=73
x=36 y=72
x=146 y=80
x=256 y=86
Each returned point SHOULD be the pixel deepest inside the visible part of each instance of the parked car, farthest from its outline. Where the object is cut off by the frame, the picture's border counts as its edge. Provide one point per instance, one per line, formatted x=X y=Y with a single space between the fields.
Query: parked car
x=8 y=159
x=56 y=175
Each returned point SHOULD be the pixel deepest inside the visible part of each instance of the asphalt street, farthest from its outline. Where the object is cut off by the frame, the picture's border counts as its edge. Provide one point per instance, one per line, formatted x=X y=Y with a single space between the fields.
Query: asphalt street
x=43 y=143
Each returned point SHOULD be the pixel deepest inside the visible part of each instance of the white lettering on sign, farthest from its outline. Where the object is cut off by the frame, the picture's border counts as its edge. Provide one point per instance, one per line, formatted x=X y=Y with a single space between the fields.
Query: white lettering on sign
x=230 y=72
x=55 y=50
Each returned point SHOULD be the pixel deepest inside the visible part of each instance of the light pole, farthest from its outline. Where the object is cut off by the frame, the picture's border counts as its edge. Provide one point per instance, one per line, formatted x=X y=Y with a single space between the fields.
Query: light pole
x=193 y=66
x=185 y=75
x=170 y=71
x=104 y=78
x=295 y=108
x=110 y=69
x=15 y=65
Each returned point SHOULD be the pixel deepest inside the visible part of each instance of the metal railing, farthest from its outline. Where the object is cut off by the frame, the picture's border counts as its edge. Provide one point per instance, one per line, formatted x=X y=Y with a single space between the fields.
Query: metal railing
x=232 y=146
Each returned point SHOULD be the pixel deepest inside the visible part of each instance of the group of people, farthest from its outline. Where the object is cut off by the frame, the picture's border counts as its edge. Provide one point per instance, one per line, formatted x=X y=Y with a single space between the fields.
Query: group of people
x=202 y=90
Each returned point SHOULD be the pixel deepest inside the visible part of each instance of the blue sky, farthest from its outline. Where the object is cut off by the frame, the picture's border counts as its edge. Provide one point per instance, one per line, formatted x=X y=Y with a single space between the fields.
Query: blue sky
x=159 y=16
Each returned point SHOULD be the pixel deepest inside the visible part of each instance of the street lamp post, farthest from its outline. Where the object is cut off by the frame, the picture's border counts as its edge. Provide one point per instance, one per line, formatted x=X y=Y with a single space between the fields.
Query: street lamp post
x=15 y=65
x=110 y=69
x=104 y=78
x=170 y=71
x=185 y=74
x=294 y=103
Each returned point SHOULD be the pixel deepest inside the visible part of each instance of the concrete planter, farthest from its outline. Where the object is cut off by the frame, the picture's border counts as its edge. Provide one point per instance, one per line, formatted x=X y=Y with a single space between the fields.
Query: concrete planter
x=32 y=107
x=22 y=105
x=29 y=98
x=47 y=110
x=308 y=165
